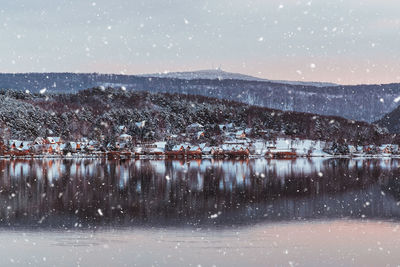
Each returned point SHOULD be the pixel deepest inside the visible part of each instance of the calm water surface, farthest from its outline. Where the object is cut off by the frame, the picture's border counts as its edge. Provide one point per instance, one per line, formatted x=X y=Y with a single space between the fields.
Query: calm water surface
x=189 y=213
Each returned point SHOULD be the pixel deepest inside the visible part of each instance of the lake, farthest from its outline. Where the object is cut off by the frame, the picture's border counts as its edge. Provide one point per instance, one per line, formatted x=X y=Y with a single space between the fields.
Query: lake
x=300 y=212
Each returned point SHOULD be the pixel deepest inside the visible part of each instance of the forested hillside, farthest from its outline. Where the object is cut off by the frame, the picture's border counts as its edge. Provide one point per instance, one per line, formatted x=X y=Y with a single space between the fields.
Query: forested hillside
x=98 y=112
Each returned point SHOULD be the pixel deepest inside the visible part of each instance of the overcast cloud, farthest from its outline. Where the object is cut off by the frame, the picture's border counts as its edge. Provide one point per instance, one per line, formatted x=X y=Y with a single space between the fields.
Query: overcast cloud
x=323 y=40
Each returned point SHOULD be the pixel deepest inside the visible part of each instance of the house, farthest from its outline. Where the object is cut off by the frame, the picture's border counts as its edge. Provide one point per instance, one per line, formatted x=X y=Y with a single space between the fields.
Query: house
x=352 y=149
x=248 y=131
x=177 y=151
x=208 y=150
x=180 y=147
x=240 y=134
x=226 y=127
x=124 y=138
x=194 y=128
x=53 y=140
x=39 y=141
x=280 y=154
x=238 y=153
x=3 y=148
x=150 y=148
x=231 y=151
x=38 y=149
x=13 y=144
x=25 y=146
x=371 y=149
x=19 y=148
x=156 y=151
x=140 y=124
x=194 y=152
x=281 y=148
x=122 y=129
x=92 y=145
x=74 y=146
x=200 y=134
x=53 y=149
x=388 y=148
x=222 y=127
x=17 y=145
x=171 y=136
x=84 y=140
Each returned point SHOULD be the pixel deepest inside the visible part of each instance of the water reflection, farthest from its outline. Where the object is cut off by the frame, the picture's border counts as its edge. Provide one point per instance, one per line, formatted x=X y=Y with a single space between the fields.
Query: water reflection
x=85 y=192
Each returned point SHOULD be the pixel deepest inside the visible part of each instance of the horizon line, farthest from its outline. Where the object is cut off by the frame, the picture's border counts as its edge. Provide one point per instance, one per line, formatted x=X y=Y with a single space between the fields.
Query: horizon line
x=143 y=75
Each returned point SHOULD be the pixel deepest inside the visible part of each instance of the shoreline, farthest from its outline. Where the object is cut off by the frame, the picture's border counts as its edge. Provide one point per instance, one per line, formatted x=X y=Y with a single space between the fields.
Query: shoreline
x=163 y=157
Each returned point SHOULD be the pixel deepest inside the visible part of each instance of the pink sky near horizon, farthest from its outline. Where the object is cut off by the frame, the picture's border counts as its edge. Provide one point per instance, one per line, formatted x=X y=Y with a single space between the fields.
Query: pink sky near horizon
x=346 y=42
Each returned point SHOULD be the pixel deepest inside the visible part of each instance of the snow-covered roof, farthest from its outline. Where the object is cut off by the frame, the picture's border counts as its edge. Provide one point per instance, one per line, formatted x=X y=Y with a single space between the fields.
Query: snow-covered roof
x=207 y=149
x=195 y=125
x=50 y=139
x=236 y=141
x=231 y=147
x=125 y=136
x=178 y=147
x=160 y=144
x=39 y=140
x=157 y=149
x=55 y=139
x=140 y=124
x=194 y=148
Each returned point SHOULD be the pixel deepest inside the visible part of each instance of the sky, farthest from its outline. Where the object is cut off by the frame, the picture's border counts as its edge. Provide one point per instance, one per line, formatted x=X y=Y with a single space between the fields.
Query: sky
x=340 y=41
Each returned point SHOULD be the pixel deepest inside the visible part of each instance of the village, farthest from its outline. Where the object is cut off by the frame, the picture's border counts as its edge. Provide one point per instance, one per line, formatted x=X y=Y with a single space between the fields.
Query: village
x=235 y=142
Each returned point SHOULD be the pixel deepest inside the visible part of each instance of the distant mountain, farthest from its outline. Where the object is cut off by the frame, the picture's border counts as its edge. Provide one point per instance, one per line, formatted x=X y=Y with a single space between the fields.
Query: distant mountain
x=219 y=74
x=359 y=102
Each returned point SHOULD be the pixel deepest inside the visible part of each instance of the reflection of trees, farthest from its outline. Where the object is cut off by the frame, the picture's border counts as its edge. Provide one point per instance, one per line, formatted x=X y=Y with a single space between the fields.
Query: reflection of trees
x=65 y=192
